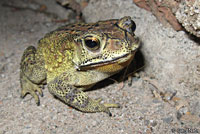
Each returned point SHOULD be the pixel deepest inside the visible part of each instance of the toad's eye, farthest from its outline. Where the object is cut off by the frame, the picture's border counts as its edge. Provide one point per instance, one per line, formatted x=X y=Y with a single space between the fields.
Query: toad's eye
x=133 y=27
x=92 y=43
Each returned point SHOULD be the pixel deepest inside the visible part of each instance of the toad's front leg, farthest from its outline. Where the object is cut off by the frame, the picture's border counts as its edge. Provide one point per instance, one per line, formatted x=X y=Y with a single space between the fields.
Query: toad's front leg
x=76 y=98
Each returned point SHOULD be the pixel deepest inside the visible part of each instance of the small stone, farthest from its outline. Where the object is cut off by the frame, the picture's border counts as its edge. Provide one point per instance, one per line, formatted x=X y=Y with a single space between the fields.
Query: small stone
x=94 y=123
x=153 y=123
x=171 y=34
x=167 y=120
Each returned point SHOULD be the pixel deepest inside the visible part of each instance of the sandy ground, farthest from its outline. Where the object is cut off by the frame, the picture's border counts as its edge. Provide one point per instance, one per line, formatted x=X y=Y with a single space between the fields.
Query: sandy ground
x=164 y=98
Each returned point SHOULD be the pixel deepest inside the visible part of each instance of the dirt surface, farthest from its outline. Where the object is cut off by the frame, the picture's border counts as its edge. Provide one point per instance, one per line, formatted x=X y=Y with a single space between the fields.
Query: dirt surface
x=163 y=98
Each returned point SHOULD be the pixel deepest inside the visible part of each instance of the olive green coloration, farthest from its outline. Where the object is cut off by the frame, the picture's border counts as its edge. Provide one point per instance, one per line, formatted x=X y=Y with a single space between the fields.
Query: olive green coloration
x=73 y=58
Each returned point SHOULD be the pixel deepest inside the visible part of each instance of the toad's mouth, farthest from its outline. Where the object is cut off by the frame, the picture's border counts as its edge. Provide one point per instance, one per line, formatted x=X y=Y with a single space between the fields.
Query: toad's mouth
x=118 y=60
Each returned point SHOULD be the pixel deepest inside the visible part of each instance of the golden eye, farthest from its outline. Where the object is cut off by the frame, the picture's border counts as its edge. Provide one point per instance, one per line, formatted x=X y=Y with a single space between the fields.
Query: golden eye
x=92 y=43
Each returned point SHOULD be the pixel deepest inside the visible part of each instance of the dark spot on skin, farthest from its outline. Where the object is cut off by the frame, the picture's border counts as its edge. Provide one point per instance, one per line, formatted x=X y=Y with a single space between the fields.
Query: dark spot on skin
x=89 y=28
x=78 y=30
x=85 y=102
x=59 y=82
x=72 y=94
x=58 y=87
x=96 y=108
x=96 y=25
x=66 y=79
x=71 y=99
x=72 y=25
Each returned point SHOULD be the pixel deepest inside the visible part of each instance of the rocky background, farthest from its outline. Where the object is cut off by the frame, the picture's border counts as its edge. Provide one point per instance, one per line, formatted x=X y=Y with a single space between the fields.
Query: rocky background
x=165 y=93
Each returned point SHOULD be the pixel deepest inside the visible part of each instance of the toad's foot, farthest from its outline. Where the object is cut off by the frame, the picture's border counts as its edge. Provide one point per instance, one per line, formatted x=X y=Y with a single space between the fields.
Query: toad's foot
x=105 y=106
x=31 y=88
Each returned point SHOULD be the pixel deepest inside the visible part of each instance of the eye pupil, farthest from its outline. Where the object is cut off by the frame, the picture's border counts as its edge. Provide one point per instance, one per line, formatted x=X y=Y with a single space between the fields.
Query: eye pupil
x=133 y=27
x=91 y=43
